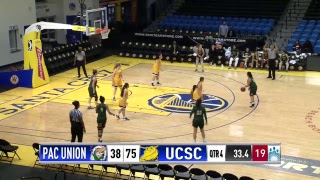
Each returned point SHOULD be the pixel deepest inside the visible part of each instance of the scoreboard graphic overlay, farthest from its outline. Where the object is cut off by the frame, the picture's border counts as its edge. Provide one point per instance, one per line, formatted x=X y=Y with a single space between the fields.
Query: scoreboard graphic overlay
x=105 y=153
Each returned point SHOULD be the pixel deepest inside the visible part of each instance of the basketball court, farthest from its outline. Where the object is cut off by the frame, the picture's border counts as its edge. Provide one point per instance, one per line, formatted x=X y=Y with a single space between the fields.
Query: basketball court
x=286 y=112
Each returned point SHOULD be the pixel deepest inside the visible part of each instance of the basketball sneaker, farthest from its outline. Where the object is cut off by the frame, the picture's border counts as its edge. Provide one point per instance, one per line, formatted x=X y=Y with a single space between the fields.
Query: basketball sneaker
x=90 y=107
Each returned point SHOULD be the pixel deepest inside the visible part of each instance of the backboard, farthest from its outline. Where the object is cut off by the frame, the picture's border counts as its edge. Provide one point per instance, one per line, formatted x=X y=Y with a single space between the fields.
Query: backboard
x=96 y=18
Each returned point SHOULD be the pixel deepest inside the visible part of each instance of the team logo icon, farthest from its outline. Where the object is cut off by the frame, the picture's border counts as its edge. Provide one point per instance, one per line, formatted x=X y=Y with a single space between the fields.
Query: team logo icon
x=274 y=154
x=29 y=45
x=14 y=79
x=98 y=153
x=181 y=103
x=149 y=153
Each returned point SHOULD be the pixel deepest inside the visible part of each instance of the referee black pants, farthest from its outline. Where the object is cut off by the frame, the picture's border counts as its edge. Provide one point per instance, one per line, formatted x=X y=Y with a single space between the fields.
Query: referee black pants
x=81 y=64
x=272 y=68
x=76 y=133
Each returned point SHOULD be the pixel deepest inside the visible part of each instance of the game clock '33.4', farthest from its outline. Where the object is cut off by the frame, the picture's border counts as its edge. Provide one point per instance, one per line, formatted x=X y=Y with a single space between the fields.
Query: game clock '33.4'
x=238 y=153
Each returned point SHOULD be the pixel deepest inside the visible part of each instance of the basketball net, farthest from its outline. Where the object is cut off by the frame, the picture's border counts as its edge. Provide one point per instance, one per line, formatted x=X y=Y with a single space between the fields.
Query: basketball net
x=104 y=32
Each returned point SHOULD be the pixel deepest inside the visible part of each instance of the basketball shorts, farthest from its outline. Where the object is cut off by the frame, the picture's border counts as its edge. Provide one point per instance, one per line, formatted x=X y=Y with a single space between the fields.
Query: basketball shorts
x=102 y=125
x=117 y=83
x=155 y=73
x=253 y=92
x=198 y=124
x=122 y=105
x=93 y=95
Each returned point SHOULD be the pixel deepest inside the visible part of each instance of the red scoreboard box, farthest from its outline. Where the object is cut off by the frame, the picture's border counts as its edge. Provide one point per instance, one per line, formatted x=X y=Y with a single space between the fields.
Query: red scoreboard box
x=260 y=153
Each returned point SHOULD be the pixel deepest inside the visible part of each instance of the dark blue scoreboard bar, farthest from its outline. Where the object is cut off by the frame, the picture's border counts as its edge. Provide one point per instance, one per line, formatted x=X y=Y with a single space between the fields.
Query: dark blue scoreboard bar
x=100 y=153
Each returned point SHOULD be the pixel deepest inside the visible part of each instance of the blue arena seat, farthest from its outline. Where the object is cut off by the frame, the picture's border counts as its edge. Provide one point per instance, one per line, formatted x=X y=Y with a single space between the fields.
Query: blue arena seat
x=242 y=19
x=314 y=36
x=312 y=22
x=292 y=41
x=295 y=37
x=288 y=48
x=316 y=31
x=264 y=20
x=265 y=31
x=302 y=40
x=228 y=19
x=304 y=22
x=243 y=30
x=316 y=49
x=208 y=18
x=305 y=36
x=309 y=26
x=313 y=41
x=257 y=30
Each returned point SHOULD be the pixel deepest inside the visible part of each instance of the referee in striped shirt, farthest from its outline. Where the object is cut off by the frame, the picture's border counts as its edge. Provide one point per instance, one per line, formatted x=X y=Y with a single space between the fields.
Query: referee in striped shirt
x=77 y=124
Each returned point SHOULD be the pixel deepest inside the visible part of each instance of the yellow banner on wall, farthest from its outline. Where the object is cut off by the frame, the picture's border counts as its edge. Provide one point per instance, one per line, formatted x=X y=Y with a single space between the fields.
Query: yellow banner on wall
x=33 y=59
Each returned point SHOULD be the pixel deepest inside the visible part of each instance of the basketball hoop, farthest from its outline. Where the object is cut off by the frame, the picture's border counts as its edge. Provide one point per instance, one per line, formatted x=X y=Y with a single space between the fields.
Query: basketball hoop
x=104 y=32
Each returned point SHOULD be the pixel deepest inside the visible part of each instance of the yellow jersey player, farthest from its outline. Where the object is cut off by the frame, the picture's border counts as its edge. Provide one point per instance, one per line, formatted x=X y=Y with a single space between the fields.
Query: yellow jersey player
x=156 y=70
x=194 y=93
x=123 y=102
x=200 y=88
x=117 y=79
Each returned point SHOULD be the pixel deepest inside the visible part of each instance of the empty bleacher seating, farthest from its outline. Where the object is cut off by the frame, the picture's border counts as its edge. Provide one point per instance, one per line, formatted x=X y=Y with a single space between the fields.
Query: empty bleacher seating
x=234 y=8
x=307 y=29
x=62 y=57
x=186 y=23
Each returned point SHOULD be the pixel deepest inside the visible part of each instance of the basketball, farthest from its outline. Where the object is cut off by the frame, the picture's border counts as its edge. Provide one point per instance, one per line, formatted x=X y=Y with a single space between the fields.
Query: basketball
x=243 y=89
x=98 y=31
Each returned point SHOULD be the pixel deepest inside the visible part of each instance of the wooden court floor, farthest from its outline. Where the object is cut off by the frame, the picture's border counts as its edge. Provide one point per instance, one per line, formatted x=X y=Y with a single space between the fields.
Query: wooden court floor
x=282 y=114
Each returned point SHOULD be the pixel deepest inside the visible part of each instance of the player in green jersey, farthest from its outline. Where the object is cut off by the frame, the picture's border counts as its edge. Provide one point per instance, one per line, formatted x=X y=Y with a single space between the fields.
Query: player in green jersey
x=284 y=61
x=246 y=57
x=93 y=89
x=198 y=120
x=101 y=110
x=252 y=88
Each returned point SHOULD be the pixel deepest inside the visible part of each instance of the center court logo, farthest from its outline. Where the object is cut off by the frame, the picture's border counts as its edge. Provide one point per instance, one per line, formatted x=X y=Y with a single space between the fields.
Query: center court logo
x=180 y=103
